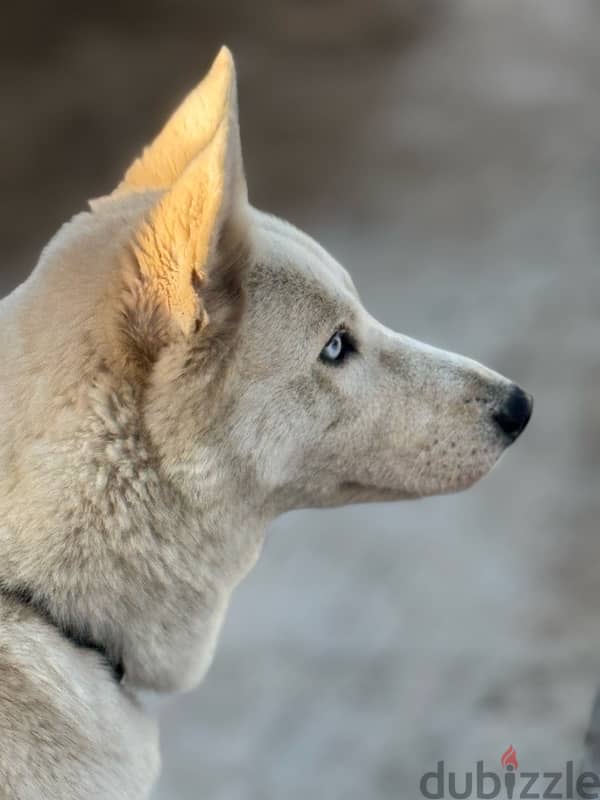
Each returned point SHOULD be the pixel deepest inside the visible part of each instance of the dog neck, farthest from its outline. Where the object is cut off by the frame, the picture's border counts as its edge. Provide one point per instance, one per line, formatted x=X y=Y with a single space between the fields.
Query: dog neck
x=116 y=555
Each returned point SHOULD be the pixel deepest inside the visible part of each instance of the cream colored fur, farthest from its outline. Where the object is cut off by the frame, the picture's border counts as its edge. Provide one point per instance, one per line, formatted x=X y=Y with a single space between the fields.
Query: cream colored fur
x=163 y=398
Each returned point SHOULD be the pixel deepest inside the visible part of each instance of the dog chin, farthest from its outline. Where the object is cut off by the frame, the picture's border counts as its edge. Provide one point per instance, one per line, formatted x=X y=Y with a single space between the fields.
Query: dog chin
x=358 y=493
x=428 y=485
x=465 y=479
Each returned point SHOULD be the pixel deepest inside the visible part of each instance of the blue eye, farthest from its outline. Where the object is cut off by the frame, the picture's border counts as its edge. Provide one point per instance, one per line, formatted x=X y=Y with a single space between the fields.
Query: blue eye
x=337 y=348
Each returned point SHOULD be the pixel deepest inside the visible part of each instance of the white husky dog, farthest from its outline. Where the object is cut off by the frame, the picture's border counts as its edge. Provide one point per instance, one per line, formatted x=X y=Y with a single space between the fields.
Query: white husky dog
x=178 y=370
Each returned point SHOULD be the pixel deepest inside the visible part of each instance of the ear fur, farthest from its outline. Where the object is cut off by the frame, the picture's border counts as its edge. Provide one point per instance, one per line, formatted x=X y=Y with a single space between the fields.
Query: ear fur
x=187 y=265
x=188 y=131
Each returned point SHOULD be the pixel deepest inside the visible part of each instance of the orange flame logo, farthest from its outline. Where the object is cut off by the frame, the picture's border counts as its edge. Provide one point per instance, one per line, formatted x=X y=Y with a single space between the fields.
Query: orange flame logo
x=509 y=758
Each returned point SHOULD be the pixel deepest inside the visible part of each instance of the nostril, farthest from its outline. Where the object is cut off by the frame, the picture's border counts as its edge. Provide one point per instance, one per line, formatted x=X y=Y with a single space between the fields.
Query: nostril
x=514 y=413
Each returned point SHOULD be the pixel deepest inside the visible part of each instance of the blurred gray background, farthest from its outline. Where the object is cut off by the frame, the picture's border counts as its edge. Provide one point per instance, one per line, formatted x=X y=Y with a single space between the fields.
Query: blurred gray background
x=447 y=152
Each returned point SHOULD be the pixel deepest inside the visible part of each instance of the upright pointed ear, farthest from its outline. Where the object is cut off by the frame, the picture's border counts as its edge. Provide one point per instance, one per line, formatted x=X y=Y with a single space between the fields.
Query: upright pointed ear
x=186 y=133
x=189 y=253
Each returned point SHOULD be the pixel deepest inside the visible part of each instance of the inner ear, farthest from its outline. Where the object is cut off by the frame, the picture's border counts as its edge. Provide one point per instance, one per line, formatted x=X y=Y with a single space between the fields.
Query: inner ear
x=191 y=251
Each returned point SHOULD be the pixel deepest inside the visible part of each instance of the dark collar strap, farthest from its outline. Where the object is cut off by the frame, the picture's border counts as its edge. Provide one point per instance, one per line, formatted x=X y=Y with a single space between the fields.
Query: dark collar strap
x=25 y=597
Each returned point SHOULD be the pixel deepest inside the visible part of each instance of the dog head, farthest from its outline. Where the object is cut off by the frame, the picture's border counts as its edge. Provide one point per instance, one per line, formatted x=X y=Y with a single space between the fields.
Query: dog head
x=262 y=360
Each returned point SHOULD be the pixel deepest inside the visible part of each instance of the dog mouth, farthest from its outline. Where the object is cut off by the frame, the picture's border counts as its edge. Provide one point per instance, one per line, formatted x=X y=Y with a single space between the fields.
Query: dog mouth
x=439 y=477
x=355 y=492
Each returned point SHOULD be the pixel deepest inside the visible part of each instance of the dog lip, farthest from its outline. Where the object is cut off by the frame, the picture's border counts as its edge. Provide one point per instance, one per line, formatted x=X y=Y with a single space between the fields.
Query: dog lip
x=382 y=492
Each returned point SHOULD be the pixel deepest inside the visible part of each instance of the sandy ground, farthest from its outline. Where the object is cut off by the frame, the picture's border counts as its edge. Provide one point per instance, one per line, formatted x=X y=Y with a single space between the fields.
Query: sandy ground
x=455 y=171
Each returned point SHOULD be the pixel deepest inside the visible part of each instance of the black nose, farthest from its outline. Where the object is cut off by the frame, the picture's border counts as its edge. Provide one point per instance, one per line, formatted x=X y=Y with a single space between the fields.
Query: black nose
x=514 y=413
